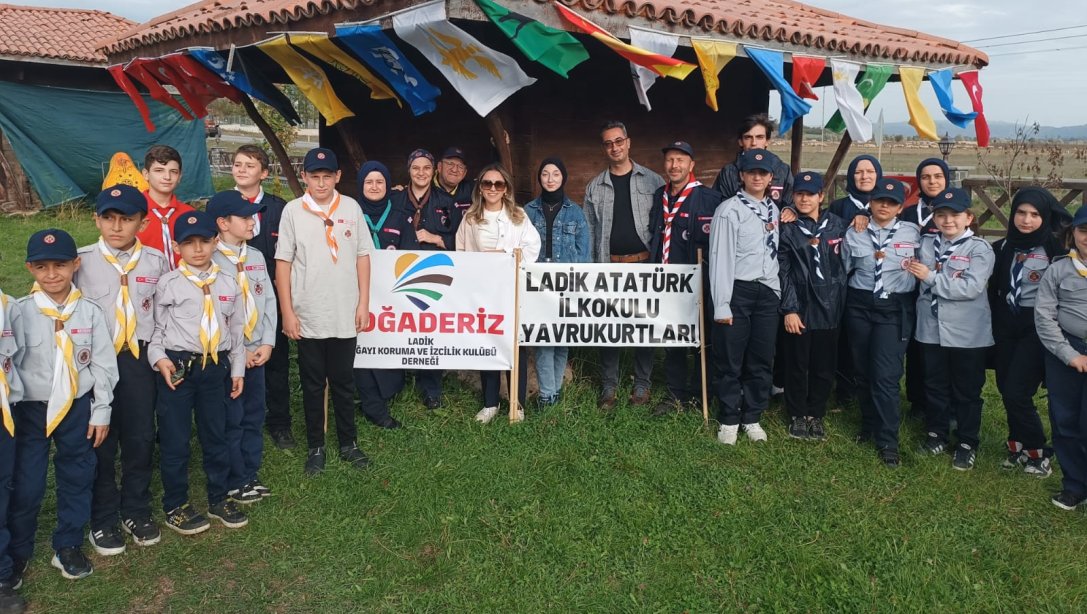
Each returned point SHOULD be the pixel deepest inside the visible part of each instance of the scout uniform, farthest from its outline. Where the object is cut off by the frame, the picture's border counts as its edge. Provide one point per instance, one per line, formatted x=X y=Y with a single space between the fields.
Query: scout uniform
x=11 y=392
x=462 y=194
x=123 y=284
x=855 y=202
x=257 y=311
x=159 y=233
x=199 y=327
x=77 y=333
x=781 y=186
x=954 y=326
x=745 y=288
x=879 y=318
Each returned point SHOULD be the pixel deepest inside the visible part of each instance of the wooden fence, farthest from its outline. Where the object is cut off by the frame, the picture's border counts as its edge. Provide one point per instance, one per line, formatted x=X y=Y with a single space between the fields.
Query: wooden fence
x=997 y=201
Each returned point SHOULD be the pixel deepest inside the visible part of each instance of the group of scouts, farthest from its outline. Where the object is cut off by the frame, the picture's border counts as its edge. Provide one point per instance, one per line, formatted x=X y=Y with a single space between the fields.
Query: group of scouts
x=176 y=314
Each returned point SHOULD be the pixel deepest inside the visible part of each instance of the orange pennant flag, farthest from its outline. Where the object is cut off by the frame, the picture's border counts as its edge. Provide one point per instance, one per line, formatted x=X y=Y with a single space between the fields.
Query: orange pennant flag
x=659 y=64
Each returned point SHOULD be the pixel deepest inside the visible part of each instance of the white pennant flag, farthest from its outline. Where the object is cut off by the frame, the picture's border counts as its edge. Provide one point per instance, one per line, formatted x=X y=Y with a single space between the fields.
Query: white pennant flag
x=850 y=102
x=656 y=42
x=482 y=76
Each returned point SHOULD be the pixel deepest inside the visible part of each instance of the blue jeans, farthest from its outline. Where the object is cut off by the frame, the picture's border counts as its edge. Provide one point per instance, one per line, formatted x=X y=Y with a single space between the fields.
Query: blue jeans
x=1068 y=418
x=550 y=369
x=245 y=417
x=7 y=468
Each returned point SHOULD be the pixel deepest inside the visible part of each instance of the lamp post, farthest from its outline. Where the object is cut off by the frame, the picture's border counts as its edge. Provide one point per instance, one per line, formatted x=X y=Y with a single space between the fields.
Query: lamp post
x=946 y=144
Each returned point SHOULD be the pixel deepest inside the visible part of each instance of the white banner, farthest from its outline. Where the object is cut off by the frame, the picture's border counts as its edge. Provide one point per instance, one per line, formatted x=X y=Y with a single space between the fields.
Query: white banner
x=439 y=310
x=609 y=304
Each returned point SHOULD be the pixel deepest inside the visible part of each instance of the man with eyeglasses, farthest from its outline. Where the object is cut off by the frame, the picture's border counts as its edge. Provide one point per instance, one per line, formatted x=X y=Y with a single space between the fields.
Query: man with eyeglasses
x=450 y=178
x=617 y=206
x=754 y=133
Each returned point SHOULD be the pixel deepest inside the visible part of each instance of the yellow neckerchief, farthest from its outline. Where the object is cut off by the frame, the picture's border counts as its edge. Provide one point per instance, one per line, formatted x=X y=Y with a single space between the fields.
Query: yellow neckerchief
x=5 y=387
x=123 y=311
x=65 y=374
x=330 y=237
x=1078 y=263
x=250 y=302
x=209 y=323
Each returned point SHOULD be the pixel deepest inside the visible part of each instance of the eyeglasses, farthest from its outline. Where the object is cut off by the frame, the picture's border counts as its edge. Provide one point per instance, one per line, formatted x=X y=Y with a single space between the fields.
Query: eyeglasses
x=456 y=166
x=487 y=184
x=615 y=143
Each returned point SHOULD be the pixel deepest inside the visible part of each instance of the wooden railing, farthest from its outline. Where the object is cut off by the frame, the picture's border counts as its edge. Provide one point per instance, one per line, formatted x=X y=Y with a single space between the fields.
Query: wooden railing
x=994 y=197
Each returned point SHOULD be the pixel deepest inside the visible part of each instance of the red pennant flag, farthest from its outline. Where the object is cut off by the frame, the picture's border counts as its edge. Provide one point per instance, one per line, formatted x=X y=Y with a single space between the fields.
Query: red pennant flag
x=974 y=91
x=660 y=64
x=118 y=74
x=195 y=94
x=137 y=69
x=806 y=72
x=194 y=71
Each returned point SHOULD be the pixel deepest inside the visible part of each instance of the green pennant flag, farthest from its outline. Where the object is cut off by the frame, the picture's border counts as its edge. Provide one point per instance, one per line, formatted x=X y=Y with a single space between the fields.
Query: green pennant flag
x=871 y=84
x=554 y=48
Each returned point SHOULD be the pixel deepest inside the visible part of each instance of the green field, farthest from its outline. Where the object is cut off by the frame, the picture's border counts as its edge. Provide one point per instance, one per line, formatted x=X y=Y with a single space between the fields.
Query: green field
x=574 y=511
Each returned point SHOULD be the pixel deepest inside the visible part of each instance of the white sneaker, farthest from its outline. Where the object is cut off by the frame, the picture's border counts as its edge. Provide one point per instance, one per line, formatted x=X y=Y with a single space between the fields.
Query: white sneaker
x=727 y=434
x=776 y=390
x=486 y=414
x=754 y=432
x=517 y=415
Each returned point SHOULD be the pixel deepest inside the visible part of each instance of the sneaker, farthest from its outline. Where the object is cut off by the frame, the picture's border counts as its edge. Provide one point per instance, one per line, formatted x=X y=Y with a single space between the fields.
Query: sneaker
x=143 y=531
x=108 y=541
x=315 y=462
x=244 y=495
x=1014 y=460
x=890 y=458
x=933 y=445
x=486 y=414
x=964 y=457
x=816 y=430
x=1067 y=500
x=776 y=391
x=754 y=432
x=261 y=489
x=517 y=415
x=727 y=434
x=72 y=563
x=186 y=521
x=353 y=455
x=432 y=403
x=18 y=570
x=10 y=601
x=228 y=514
x=1038 y=467
x=639 y=397
x=282 y=439
x=798 y=428
x=607 y=400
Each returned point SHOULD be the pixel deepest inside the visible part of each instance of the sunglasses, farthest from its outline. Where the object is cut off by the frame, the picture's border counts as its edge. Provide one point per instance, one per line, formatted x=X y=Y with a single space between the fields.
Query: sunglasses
x=487 y=184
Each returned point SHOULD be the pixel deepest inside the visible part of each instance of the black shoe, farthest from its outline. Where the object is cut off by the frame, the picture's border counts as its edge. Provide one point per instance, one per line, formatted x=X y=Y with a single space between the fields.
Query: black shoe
x=18 y=570
x=228 y=514
x=186 y=521
x=666 y=407
x=1067 y=500
x=817 y=430
x=388 y=423
x=352 y=454
x=282 y=439
x=244 y=495
x=864 y=437
x=432 y=403
x=890 y=458
x=108 y=541
x=798 y=428
x=933 y=445
x=10 y=601
x=144 y=531
x=261 y=489
x=964 y=457
x=72 y=563
x=315 y=461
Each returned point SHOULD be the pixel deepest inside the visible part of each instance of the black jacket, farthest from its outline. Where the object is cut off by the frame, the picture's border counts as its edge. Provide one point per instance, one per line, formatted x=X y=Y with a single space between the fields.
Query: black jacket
x=846 y=209
x=728 y=183
x=818 y=302
x=268 y=237
x=690 y=227
x=397 y=232
x=440 y=216
x=909 y=214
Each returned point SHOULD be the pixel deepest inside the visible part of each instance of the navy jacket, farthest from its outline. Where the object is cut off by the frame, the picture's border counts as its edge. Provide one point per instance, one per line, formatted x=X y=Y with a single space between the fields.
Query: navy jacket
x=440 y=216
x=780 y=191
x=690 y=227
x=819 y=302
x=397 y=232
x=268 y=237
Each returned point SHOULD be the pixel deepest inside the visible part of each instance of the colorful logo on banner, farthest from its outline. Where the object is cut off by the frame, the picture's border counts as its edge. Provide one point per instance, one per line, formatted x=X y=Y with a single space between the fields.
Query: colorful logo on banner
x=417 y=278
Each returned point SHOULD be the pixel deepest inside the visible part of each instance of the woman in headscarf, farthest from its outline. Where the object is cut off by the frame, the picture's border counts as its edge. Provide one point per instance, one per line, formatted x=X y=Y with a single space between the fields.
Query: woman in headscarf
x=565 y=234
x=861 y=178
x=1021 y=260
x=933 y=177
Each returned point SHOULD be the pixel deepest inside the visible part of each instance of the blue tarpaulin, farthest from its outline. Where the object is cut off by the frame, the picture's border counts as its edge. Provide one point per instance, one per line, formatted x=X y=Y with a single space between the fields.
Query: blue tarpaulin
x=64 y=139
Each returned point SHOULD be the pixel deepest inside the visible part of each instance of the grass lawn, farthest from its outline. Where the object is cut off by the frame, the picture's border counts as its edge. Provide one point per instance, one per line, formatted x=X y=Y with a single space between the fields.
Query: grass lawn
x=573 y=511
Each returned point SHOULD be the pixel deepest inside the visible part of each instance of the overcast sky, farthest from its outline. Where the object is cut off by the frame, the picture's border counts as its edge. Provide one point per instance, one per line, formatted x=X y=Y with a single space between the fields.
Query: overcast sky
x=1044 y=87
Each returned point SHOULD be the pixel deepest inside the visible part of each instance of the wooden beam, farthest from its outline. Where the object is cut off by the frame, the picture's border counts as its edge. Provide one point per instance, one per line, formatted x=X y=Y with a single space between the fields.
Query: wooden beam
x=798 y=144
x=346 y=131
x=836 y=161
x=275 y=144
x=501 y=139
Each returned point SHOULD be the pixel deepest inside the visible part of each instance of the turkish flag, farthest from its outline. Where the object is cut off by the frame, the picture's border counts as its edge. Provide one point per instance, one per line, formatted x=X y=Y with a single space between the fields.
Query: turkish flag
x=129 y=88
x=806 y=71
x=137 y=69
x=199 y=77
x=974 y=91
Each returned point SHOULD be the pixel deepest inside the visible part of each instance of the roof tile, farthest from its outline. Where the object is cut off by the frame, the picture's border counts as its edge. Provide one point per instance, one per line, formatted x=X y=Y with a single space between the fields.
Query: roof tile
x=73 y=35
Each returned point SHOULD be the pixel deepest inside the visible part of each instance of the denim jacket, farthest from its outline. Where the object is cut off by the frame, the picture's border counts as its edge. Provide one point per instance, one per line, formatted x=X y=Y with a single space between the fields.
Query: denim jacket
x=570 y=242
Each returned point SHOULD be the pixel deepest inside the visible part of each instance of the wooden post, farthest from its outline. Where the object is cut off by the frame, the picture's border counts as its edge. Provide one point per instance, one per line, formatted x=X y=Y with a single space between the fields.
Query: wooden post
x=274 y=142
x=836 y=163
x=515 y=375
x=351 y=146
x=798 y=144
x=702 y=343
x=501 y=138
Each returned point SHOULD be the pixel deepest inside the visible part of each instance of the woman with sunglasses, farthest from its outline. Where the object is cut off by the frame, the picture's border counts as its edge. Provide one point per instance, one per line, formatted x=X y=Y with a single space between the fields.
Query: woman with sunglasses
x=495 y=223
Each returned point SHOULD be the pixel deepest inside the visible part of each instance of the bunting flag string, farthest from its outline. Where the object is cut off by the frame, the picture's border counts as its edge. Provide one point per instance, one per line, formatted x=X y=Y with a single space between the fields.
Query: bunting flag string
x=712 y=57
x=321 y=47
x=117 y=72
x=920 y=119
x=806 y=73
x=248 y=79
x=662 y=43
x=309 y=77
x=772 y=64
x=851 y=104
x=195 y=97
x=381 y=54
x=941 y=84
x=195 y=71
x=139 y=72
x=872 y=82
x=973 y=90
x=556 y=49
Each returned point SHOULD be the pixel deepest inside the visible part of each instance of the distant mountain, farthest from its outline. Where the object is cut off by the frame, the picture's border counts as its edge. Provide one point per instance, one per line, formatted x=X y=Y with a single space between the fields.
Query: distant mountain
x=997 y=129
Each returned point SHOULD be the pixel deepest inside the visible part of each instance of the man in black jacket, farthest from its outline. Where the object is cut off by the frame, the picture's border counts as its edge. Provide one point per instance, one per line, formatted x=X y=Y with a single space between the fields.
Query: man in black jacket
x=755 y=133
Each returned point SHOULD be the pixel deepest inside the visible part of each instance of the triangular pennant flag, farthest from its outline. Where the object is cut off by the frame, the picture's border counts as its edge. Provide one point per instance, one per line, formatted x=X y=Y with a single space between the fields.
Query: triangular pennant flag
x=310 y=79
x=481 y=75
x=660 y=64
x=878 y=137
x=656 y=42
x=117 y=72
x=555 y=49
x=712 y=56
x=849 y=100
x=247 y=78
x=772 y=64
x=322 y=48
x=378 y=51
x=920 y=119
x=973 y=90
x=941 y=84
x=871 y=84
x=806 y=73
x=198 y=98
x=195 y=71
x=138 y=71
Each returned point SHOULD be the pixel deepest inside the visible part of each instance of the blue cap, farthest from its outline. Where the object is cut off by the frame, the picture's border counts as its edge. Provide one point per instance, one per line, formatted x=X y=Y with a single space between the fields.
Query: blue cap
x=757 y=160
x=454 y=152
x=809 y=182
x=195 y=224
x=889 y=189
x=1081 y=217
x=122 y=198
x=50 y=244
x=231 y=202
x=320 y=159
x=952 y=198
x=683 y=146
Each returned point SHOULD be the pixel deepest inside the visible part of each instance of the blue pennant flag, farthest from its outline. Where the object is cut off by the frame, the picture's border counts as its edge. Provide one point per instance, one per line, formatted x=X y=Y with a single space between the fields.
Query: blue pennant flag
x=247 y=80
x=772 y=64
x=941 y=84
x=378 y=51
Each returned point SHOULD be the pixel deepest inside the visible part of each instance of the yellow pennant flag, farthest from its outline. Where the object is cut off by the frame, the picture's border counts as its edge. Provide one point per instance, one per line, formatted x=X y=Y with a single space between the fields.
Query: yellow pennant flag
x=712 y=57
x=320 y=47
x=920 y=119
x=310 y=79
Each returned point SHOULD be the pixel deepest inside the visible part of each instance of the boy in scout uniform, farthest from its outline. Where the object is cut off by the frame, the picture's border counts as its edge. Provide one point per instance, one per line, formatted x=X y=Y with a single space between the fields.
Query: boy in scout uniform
x=234 y=217
x=11 y=392
x=197 y=349
x=119 y=273
x=69 y=368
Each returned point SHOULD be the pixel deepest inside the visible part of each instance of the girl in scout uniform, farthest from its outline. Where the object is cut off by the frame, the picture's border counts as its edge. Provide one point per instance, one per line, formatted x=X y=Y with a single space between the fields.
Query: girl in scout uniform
x=953 y=326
